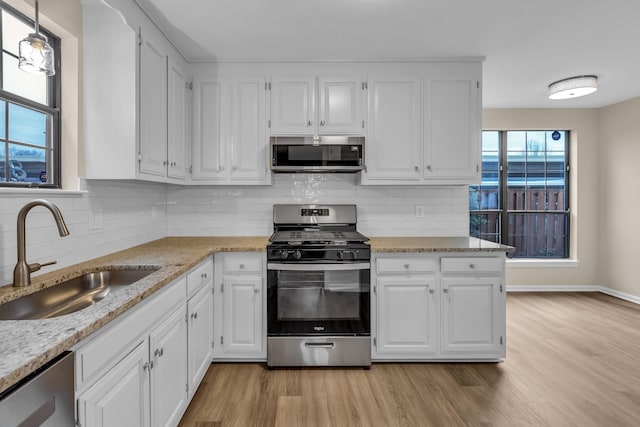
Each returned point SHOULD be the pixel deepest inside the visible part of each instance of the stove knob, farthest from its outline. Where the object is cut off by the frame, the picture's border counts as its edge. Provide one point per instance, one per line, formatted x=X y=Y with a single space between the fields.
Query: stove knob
x=339 y=255
x=297 y=254
x=284 y=254
x=353 y=255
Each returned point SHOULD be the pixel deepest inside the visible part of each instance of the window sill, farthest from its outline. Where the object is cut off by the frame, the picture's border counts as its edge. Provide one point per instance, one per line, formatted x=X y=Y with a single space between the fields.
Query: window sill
x=542 y=263
x=43 y=191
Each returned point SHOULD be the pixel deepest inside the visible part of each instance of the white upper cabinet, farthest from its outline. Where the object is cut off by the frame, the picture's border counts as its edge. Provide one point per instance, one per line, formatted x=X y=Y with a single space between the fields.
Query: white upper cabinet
x=135 y=112
x=393 y=145
x=452 y=125
x=177 y=125
x=230 y=139
x=323 y=105
x=153 y=104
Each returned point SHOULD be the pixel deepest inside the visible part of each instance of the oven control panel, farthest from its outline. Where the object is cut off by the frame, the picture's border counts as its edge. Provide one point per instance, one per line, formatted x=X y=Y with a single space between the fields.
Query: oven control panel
x=314 y=212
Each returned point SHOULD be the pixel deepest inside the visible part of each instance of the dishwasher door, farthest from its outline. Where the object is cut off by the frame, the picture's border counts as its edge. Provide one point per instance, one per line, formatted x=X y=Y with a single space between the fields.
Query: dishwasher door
x=43 y=399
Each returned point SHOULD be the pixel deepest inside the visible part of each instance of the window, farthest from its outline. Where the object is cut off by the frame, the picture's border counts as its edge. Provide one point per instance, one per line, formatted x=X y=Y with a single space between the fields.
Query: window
x=29 y=111
x=523 y=198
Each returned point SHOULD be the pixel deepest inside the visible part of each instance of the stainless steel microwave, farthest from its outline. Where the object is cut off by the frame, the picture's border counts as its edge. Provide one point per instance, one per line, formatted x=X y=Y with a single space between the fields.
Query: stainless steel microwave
x=317 y=154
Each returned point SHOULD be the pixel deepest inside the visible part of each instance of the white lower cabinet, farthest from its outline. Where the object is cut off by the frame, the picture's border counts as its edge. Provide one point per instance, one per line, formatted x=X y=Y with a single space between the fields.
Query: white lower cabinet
x=168 y=369
x=143 y=368
x=438 y=307
x=200 y=335
x=120 y=398
x=239 y=306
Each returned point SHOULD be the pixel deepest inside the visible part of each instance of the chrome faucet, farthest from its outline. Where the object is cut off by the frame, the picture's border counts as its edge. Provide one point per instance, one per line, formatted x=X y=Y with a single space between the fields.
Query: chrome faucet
x=22 y=271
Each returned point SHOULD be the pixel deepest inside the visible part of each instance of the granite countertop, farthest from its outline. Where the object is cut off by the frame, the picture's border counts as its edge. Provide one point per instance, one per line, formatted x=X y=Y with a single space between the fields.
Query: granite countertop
x=26 y=345
x=435 y=244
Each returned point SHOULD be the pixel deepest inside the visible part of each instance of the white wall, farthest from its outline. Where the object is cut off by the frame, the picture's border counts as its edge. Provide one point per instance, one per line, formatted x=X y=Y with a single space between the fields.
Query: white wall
x=584 y=200
x=619 y=196
x=382 y=211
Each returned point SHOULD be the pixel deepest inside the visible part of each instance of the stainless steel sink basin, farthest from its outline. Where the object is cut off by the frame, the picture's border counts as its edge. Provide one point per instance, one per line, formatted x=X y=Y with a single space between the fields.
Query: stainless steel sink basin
x=71 y=295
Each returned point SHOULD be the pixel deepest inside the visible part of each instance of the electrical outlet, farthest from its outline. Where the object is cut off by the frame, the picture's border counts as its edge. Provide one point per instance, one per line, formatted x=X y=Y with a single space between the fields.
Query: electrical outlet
x=95 y=219
x=419 y=211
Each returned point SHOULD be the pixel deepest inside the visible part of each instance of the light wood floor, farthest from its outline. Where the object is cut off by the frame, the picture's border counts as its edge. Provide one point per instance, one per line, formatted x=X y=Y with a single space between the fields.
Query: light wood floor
x=573 y=359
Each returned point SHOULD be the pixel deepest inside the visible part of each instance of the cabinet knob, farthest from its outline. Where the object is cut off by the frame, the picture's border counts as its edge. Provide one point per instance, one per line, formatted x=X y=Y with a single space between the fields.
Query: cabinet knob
x=416 y=168
x=148 y=365
x=234 y=168
x=446 y=290
x=472 y=266
x=159 y=352
x=220 y=168
x=429 y=168
x=322 y=122
x=194 y=315
x=309 y=123
x=256 y=290
x=431 y=291
x=406 y=266
x=241 y=266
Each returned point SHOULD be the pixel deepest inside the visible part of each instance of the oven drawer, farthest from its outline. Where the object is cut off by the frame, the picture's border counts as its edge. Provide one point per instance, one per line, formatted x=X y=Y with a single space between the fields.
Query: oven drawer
x=471 y=265
x=242 y=263
x=406 y=265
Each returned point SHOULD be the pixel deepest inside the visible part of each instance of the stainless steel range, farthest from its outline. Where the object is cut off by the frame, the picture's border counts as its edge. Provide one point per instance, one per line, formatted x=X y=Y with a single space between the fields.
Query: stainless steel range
x=318 y=297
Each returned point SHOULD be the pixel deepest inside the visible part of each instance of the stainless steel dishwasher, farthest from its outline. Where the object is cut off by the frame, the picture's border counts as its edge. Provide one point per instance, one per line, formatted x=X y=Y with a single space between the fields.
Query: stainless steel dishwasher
x=44 y=398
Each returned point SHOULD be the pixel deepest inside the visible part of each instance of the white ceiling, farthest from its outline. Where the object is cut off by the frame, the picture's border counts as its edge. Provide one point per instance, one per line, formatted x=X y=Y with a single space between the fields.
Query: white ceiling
x=528 y=44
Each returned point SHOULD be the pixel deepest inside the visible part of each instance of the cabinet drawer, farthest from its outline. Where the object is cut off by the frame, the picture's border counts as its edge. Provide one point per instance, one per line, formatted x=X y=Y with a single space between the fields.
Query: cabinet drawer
x=199 y=277
x=406 y=265
x=471 y=265
x=242 y=263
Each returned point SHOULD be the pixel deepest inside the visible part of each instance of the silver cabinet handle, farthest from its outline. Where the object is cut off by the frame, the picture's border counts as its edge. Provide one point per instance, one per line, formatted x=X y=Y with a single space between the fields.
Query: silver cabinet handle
x=406 y=266
x=429 y=168
x=309 y=123
x=194 y=315
x=241 y=266
x=322 y=122
x=472 y=266
x=431 y=291
x=148 y=366
x=159 y=352
x=416 y=168
x=446 y=290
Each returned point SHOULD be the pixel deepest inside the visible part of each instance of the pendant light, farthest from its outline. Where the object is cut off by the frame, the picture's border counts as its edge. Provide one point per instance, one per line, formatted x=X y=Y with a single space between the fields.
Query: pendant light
x=573 y=87
x=36 y=56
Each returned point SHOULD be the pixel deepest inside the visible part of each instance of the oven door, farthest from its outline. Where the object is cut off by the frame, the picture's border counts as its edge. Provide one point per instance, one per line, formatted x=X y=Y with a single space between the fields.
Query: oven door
x=318 y=299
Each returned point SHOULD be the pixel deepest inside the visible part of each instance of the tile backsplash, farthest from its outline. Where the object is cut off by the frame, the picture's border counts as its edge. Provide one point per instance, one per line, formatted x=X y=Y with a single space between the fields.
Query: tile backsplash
x=106 y=217
x=109 y=215
x=382 y=210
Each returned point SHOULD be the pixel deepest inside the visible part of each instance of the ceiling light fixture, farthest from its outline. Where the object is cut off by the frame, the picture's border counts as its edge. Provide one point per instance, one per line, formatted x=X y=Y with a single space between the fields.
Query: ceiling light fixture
x=573 y=87
x=36 y=56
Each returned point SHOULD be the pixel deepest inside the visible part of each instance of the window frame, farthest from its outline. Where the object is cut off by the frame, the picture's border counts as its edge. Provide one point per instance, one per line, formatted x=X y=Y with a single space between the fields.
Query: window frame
x=503 y=190
x=52 y=109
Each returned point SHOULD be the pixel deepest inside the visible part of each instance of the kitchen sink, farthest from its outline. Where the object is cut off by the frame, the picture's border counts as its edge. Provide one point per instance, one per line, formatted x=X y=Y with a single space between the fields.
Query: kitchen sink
x=74 y=294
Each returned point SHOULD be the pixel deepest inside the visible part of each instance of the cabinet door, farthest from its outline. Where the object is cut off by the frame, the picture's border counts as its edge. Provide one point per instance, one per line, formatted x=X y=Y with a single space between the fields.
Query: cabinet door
x=393 y=148
x=177 y=120
x=168 y=347
x=293 y=103
x=471 y=310
x=209 y=116
x=153 y=105
x=200 y=335
x=121 y=397
x=452 y=127
x=242 y=327
x=249 y=139
x=341 y=106
x=407 y=316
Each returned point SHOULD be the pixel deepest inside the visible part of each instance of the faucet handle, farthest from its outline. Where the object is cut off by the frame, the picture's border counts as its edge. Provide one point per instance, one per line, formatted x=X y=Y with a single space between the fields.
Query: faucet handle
x=35 y=266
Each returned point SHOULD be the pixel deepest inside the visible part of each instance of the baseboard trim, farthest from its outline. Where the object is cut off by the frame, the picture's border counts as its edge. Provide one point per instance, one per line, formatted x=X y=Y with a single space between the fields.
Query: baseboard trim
x=580 y=288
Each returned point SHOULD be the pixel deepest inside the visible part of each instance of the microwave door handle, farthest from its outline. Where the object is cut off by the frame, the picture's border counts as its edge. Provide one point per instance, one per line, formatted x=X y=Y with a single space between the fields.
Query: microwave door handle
x=318 y=267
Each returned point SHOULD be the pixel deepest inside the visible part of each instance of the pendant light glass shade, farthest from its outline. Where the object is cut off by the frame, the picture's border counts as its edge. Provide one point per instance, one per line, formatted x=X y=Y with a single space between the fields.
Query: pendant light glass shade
x=573 y=87
x=35 y=54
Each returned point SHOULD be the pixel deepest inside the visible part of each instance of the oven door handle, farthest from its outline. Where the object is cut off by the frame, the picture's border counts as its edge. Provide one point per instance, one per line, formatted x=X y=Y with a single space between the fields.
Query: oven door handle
x=319 y=344
x=318 y=267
